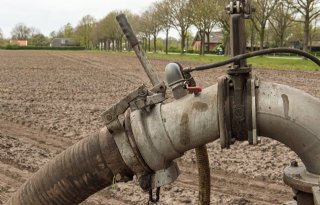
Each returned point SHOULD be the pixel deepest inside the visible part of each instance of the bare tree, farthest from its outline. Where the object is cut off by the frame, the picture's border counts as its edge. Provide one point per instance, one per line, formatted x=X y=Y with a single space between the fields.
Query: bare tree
x=223 y=21
x=314 y=33
x=84 y=29
x=164 y=16
x=203 y=19
x=1 y=34
x=309 y=11
x=264 y=10
x=154 y=24
x=21 y=32
x=180 y=15
x=145 y=30
x=281 y=20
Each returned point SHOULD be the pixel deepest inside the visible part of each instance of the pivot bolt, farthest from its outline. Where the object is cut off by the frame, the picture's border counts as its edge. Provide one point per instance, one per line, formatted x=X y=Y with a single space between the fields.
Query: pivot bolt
x=294 y=163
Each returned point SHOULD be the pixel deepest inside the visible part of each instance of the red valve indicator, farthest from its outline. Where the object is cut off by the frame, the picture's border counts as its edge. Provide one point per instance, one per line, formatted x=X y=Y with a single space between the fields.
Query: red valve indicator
x=195 y=89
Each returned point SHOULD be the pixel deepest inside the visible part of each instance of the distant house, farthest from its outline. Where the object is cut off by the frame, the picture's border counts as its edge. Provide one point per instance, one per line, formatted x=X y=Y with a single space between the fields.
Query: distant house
x=19 y=42
x=58 y=42
x=315 y=45
x=215 y=38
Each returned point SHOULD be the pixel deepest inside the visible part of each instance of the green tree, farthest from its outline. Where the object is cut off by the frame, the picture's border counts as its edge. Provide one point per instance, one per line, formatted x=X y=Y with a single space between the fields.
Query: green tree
x=223 y=21
x=2 y=41
x=145 y=29
x=39 y=40
x=109 y=32
x=155 y=24
x=84 y=29
x=180 y=15
x=260 y=18
x=281 y=20
x=68 y=31
x=309 y=10
x=165 y=19
x=1 y=34
x=203 y=19
x=295 y=33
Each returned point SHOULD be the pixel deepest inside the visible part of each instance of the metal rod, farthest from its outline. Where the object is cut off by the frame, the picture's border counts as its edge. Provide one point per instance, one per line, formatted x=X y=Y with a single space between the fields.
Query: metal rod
x=128 y=32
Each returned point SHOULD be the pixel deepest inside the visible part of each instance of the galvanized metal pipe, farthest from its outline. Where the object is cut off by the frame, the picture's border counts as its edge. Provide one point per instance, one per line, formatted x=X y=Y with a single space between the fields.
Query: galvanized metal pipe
x=285 y=114
x=292 y=117
x=171 y=129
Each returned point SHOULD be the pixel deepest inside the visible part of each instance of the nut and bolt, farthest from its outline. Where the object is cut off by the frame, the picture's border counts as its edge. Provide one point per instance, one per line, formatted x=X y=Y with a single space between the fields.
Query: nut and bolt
x=294 y=163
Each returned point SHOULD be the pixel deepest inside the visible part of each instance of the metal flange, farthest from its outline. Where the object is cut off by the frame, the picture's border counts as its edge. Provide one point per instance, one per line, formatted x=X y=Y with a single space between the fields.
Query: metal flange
x=300 y=179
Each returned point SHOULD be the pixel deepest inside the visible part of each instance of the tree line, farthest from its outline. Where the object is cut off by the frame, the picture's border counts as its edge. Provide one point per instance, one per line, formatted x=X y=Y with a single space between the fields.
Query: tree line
x=274 y=23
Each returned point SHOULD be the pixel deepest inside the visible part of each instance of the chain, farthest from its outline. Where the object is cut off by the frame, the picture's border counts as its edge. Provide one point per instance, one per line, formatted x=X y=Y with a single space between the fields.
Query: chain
x=154 y=200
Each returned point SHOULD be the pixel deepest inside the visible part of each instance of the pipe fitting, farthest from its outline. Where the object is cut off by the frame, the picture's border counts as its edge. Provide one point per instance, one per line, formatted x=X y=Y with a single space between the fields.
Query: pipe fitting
x=175 y=80
x=171 y=129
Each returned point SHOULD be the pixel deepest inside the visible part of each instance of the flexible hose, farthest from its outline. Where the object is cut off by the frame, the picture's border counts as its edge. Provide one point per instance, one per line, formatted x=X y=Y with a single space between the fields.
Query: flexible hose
x=253 y=54
x=204 y=175
x=75 y=174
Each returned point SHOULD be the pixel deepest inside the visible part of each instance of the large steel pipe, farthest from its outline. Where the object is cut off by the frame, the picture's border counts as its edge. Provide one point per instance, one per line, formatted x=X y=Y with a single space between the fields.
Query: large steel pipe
x=292 y=117
x=285 y=114
x=171 y=129
x=75 y=174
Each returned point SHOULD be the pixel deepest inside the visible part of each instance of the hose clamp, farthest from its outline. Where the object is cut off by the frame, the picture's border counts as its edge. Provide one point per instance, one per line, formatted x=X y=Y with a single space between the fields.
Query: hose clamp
x=142 y=99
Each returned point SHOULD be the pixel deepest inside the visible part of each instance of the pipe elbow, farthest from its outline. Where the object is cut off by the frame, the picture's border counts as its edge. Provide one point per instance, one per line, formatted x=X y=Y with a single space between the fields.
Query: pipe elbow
x=292 y=117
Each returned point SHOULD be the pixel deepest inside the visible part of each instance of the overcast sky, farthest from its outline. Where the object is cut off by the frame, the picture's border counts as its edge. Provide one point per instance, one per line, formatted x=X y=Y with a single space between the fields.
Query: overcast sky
x=49 y=15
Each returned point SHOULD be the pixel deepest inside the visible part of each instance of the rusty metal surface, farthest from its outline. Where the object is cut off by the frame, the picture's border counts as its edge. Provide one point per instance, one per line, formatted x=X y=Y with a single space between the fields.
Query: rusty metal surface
x=299 y=179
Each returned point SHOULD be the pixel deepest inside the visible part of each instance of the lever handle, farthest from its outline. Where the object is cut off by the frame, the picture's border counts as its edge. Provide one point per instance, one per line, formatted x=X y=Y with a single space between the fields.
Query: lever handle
x=127 y=30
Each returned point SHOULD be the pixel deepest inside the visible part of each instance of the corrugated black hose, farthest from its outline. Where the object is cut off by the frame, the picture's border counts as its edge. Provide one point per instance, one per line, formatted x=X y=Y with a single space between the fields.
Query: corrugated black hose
x=74 y=175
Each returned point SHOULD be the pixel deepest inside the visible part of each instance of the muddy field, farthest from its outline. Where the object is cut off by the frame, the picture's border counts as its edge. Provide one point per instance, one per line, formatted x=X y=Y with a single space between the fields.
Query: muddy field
x=50 y=100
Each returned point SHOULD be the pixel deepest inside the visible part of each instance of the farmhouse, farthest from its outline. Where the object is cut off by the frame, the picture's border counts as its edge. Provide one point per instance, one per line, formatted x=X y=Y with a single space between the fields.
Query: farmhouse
x=58 y=42
x=215 y=38
x=19 y=42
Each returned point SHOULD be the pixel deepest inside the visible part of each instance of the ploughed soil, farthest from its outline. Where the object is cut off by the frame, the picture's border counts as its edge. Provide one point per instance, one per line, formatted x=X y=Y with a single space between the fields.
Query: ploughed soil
x=52 y=99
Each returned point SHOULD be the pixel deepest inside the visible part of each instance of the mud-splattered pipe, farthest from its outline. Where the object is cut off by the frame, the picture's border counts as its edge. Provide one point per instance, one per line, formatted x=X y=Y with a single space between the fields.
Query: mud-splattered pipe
x=201 y=152
x=75 y=174
x=285 y=114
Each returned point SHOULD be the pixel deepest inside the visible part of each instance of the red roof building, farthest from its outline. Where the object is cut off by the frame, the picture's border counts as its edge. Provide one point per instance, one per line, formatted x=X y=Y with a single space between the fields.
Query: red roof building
x=215 y=38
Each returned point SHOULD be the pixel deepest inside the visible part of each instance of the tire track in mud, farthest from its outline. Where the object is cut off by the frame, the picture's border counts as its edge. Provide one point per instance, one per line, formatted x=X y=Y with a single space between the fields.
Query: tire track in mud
x=12 y=174
x=222 y=183
x=37 y=138
x=128 y=77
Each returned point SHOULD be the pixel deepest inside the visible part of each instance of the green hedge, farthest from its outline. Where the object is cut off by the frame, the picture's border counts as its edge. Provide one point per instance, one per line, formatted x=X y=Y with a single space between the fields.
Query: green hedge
x=15 y=47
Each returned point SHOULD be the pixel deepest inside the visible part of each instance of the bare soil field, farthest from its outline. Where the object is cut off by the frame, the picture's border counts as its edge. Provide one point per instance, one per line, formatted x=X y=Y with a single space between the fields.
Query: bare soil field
x=52 y=99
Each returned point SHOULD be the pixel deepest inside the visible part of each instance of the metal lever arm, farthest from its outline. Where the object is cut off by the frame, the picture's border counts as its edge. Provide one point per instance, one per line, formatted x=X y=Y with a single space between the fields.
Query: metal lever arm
x=128 y=32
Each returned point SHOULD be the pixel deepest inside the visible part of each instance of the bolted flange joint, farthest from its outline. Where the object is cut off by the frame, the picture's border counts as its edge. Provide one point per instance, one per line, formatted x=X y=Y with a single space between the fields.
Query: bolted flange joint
x=304 y=184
